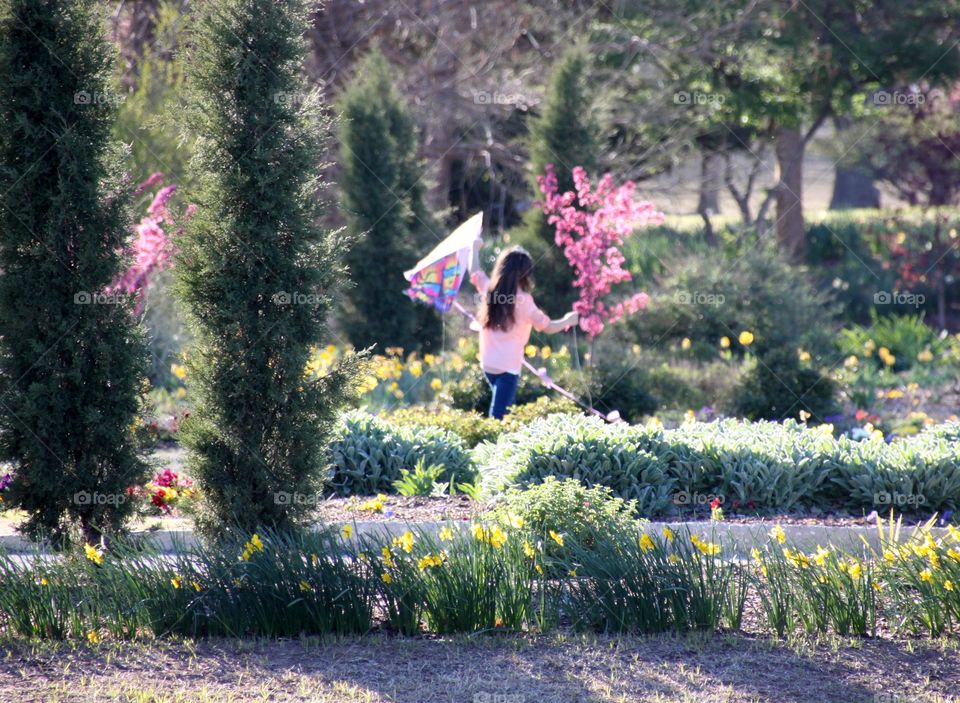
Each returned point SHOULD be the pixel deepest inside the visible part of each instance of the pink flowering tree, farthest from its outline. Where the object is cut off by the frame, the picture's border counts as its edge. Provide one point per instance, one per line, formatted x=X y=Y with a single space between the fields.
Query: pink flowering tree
x=151 y=248
x=591 y=225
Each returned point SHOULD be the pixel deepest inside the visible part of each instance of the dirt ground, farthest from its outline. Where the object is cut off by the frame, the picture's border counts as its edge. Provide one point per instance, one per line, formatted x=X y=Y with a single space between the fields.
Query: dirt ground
x=485 y=669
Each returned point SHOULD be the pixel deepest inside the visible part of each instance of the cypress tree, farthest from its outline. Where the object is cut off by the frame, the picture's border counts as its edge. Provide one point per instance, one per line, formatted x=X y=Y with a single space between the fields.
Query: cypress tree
x=72 y=356
x=254 y=271
x=382 y=195
x=565 y=135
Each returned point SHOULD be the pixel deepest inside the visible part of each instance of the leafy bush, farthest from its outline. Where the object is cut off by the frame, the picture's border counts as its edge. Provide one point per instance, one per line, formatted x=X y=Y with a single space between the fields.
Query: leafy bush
x=645 y=382
x=567 y=507
x=474 y=428
x=906 y=337
x=469 y=426
x=368 y=453
x=712 y=295
x=779 y=386
x=583 y=448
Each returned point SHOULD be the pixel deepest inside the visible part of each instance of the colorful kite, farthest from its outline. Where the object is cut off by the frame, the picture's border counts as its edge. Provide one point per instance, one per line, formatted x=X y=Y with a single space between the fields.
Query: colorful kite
x=437 y=277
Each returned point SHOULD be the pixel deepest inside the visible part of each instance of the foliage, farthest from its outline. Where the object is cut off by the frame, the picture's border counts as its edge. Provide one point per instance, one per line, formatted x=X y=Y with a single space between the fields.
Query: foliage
x=566 y=507
x=780 y=386
x=382 y=197
x=469 y=426
x=566 y=135
x=367 y=454
x=625 y=582
x=149 y=108
x=255 y=272
x=455 y=582
x=709 y=297
x=577 y=447
x=423 y=480
x=590 y=228
x=72 y=354
x=895 y=342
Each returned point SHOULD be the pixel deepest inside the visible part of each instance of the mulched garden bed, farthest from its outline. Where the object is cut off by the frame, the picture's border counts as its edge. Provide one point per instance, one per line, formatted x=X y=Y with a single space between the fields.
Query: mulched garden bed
x=432 y=509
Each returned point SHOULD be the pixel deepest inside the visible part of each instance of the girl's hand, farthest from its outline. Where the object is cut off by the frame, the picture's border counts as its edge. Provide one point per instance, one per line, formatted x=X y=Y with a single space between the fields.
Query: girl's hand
x=570 y=319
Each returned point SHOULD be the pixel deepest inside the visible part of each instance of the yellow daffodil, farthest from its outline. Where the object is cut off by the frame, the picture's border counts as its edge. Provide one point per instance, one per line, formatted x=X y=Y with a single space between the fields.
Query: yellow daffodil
x=804 y=356
x=778 y=534
x=724 y=342
x=446 y=534
x=304 y=586
x=745 y=338
x=528 y=550
x=175 y=582
x=668 y=534
x=347 y=531
x=94 y=554
x=646 y=544
x=386 y=577
x=556 y=538
x=685 y=344
x=948 y=585
x=179 y=371
x=514 y=521
x=436 y=384
x=530 y=350
x=926 y=575
x=404 y=541
x=93 y=637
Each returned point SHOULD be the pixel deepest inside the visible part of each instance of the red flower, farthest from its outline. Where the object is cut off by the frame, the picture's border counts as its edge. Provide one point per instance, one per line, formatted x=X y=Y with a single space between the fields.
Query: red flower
x=715 y=503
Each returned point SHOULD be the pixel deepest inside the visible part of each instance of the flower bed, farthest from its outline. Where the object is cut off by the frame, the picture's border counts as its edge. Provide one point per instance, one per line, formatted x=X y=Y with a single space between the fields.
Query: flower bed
x=498 y=575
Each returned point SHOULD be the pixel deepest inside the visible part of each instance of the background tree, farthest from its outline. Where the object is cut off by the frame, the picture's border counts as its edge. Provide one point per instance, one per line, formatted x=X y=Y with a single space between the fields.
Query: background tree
x=565 y=135
x=72 y=357
x=254 y=271
x=382 y=191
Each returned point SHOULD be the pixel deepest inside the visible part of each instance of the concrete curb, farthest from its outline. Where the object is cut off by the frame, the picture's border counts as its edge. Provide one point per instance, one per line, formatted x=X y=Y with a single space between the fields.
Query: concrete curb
x=738 y=539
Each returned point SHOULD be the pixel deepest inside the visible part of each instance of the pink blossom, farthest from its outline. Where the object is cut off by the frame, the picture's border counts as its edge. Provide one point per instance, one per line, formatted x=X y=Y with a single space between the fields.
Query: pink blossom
x=591 y=225
x=151 y=248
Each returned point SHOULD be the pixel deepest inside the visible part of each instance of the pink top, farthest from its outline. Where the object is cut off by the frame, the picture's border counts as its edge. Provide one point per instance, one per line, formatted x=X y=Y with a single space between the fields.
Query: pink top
x=502 y=351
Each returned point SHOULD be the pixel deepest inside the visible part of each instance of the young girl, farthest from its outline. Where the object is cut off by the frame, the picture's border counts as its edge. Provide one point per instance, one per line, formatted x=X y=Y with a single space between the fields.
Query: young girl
x=506 y=316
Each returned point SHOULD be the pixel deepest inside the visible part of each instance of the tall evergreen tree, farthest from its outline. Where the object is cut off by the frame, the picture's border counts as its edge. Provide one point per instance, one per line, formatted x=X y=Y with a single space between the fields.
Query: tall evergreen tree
x=383 y=198
x=563 y=134
x=254 y=271
x=72 y=357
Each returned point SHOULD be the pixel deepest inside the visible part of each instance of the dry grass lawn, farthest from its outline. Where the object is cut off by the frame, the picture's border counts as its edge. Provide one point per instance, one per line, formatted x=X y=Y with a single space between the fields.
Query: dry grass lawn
x=548 y=669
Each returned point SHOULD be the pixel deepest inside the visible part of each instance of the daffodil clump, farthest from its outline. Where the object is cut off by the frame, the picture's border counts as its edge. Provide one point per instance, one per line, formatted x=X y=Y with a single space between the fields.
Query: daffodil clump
x=815 y=592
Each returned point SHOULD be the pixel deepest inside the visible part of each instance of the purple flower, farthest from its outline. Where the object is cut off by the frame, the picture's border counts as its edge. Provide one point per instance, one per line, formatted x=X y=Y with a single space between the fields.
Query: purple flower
x=5 y=481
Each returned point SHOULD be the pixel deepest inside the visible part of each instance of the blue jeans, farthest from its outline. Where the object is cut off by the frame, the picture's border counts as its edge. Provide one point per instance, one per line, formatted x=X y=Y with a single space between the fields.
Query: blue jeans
x=504 y=387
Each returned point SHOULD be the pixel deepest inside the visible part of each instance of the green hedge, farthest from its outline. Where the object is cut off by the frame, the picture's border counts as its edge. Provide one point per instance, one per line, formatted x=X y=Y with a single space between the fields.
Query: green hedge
x=769 y=465
x=367 y=454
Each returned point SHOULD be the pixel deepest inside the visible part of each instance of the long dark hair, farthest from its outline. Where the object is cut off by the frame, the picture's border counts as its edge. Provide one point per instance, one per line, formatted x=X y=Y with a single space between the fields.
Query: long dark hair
x=511 y=274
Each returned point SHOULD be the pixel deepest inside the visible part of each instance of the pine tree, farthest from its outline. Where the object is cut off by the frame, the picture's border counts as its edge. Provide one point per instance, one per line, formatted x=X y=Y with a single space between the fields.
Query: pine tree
x=565 y=135
x=72 y=356
x=383 y=198
x=254 y=271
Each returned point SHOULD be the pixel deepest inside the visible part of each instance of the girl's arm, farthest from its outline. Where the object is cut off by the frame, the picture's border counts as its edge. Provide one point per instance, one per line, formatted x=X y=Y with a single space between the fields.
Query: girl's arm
x=565 y=322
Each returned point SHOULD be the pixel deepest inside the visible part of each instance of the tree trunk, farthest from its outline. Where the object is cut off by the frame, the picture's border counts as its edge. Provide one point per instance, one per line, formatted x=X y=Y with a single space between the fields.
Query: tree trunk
x=710 y=174
x=853 y=186
x=791 y=234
